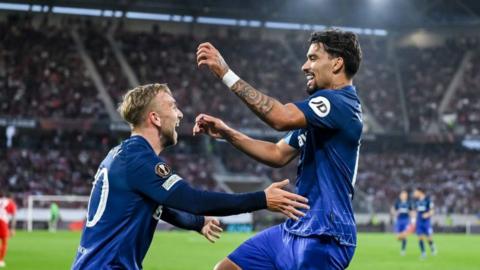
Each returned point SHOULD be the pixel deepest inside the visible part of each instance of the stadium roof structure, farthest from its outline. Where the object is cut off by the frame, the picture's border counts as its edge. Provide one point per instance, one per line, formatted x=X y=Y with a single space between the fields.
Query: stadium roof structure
x=383 y=14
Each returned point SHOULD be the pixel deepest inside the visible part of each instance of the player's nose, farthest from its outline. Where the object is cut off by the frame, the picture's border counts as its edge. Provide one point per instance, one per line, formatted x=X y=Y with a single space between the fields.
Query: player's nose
x=305 y=67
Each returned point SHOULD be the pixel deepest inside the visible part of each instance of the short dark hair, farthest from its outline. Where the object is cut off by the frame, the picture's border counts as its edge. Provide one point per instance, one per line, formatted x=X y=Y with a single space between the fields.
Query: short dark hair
x=342 y=44
x=421 y=189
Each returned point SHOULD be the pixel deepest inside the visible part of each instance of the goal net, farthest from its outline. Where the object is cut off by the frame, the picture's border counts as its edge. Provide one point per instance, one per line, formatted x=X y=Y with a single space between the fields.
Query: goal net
x=55 y=211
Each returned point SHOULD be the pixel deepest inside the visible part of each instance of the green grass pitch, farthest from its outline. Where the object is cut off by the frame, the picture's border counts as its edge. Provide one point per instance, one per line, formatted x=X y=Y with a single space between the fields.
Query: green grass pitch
x=187 y=250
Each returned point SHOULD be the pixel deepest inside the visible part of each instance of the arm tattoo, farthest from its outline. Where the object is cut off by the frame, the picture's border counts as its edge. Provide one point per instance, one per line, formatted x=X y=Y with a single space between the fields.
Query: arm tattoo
x=259 y=103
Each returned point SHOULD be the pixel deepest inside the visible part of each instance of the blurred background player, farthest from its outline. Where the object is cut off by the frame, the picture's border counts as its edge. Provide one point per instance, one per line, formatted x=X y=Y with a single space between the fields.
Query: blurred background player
x=424 y=210
x=325 y=130
x=8 y=210
x=401 y=212
x=54 y=217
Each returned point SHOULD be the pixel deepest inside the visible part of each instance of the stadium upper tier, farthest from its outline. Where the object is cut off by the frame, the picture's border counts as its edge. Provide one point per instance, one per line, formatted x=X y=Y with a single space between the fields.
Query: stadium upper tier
x=43 y=74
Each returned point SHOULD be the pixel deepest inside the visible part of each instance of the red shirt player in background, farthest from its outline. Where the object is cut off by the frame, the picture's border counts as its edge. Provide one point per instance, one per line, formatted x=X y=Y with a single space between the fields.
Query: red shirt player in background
x=8 y=209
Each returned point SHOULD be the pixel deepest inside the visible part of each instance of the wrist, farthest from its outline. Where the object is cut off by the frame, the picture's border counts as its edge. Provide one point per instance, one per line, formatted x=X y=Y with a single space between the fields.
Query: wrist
x=201 y=222
x=230 y=78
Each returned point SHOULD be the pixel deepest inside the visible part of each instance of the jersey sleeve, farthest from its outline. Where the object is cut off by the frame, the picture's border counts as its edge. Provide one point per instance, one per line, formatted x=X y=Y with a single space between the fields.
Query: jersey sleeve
x=151 y=176
x=183 y=219
x=292 y=138
x=323 y=110
x=11 y=207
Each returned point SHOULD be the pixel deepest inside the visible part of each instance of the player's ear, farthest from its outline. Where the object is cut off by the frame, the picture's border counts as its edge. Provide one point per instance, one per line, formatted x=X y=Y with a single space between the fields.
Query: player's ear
x=337 y=64
x=155 y=119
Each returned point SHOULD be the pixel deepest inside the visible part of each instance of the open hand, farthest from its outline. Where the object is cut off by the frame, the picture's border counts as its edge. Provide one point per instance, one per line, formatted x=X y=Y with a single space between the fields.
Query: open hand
x=209 y=56
x=211 y=229
x=279 y=200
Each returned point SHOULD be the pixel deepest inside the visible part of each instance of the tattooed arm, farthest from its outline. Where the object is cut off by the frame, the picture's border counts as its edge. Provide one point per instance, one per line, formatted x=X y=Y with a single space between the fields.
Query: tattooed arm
x=277 y=115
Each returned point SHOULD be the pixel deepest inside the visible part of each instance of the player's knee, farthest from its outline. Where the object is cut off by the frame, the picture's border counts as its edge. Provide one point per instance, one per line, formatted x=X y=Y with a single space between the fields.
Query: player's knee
x=226 y=264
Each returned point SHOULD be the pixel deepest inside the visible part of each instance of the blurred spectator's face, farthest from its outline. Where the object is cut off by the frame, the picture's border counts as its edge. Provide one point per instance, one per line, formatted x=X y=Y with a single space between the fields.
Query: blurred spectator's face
x=166 y=117
x=318 y=68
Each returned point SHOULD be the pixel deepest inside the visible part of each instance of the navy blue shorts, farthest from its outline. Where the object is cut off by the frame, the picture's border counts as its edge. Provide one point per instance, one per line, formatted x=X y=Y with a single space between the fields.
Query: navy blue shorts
x=275 y=248
x=424 y=228
x=401 y=225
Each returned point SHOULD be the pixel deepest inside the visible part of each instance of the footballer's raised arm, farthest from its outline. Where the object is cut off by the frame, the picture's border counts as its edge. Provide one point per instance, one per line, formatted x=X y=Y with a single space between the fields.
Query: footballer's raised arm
x=272 y=154
x=277 y=115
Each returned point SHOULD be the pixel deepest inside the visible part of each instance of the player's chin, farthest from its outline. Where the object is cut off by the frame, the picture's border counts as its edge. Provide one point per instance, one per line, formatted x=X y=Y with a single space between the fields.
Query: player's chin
x=175 y=138
x=311 y=89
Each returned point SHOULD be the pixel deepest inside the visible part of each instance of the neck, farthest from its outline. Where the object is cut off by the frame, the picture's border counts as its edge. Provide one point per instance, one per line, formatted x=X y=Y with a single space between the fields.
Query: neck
x=152 y=137
x=341 y=83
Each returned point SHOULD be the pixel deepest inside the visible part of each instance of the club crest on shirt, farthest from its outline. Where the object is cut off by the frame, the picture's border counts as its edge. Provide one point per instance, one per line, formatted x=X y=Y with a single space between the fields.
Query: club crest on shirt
x=162 y=169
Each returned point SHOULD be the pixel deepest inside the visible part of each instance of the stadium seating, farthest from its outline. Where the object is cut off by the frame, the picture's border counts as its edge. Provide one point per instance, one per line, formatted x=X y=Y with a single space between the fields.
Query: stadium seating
x=42 y=75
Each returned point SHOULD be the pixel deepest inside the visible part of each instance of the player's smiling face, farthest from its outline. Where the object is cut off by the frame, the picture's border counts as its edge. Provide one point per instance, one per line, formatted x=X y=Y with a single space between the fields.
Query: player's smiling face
x=170 y=117
x=319 y=68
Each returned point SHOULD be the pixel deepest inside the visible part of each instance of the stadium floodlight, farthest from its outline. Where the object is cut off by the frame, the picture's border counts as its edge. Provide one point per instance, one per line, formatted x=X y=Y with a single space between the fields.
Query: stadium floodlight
x=283 y=25
x=36 y=8
x=319 y=27
x=380 y=32
x=355 y=30
x=148 y=16
x=10 y=6
x=176 y=18
x=77 y=11
x=187 y=19
x=112 y=13
x=254 y=23
x=217 y=21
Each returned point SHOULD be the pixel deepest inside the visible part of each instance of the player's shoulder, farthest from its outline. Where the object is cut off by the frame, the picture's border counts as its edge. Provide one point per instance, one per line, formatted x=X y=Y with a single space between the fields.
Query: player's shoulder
x=338 y=98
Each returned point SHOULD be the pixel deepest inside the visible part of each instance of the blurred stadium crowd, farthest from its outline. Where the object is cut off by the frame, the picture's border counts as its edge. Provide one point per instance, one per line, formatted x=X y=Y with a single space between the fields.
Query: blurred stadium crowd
x=43 y=76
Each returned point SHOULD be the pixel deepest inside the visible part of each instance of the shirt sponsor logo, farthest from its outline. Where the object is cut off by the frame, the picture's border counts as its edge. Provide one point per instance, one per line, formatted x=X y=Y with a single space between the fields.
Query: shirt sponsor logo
x=302 y=138
x=320 y=106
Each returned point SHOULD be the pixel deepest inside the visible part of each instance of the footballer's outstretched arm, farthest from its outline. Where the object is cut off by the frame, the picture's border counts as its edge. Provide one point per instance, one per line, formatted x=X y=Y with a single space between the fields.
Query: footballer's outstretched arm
x=207 y=226
x=272 y=154
x=173 y=192
x=200 y=202
x=182 y=219
x=277 y=115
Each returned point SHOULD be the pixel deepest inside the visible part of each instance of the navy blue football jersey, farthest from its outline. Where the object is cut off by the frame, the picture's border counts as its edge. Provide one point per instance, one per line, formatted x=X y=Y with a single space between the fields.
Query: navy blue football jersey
x=123 y=211
x=422 y=207
x=403 y=209
x=329 y=149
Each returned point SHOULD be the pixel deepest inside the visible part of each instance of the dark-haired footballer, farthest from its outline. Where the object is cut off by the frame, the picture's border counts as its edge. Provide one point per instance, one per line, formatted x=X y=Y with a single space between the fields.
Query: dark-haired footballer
x=325 y=130
x=424 y=208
